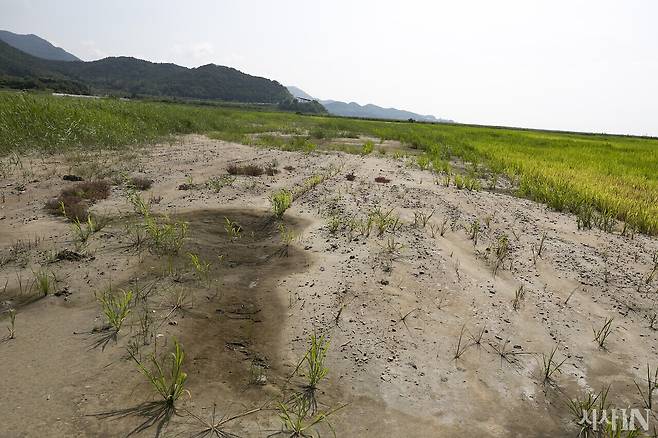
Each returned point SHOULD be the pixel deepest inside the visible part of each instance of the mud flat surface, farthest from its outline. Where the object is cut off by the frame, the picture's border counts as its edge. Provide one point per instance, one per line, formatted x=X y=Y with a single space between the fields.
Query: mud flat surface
x=394 y=306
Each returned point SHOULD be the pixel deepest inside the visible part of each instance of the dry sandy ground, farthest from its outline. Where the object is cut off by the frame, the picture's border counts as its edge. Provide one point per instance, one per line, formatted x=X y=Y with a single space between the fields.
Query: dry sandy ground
x=394 y=318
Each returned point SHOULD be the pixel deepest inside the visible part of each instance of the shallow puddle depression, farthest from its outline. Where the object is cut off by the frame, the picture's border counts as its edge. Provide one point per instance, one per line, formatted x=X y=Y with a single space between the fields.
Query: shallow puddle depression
x=230 y=322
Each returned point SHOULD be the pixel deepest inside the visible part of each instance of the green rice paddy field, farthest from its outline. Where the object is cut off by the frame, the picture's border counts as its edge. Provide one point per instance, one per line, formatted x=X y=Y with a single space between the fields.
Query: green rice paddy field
x=601 y=178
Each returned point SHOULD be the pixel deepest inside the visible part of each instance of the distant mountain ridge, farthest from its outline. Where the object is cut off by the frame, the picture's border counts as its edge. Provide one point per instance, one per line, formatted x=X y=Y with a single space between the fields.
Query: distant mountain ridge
x=368 y=111
x=125 y=76
x=36 y=46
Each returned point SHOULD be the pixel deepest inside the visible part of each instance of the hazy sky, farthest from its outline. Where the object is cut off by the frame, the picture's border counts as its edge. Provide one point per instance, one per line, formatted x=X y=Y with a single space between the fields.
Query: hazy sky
x=573 y=65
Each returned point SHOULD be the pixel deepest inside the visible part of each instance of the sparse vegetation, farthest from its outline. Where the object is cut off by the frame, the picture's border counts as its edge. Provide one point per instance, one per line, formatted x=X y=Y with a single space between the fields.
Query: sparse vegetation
x=384 y=221
x=216 y=184
x=165 y=236
x=220 y=279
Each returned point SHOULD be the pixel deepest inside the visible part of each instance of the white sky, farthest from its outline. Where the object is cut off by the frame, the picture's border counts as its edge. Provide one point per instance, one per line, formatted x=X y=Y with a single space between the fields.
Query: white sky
x=572 y=65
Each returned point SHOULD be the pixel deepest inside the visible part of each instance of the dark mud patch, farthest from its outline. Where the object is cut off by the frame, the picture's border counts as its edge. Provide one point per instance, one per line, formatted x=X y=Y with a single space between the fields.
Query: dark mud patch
x=233 y=326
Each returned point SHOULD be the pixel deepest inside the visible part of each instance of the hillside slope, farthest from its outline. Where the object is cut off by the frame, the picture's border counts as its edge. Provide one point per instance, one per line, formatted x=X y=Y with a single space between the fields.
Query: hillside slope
x=36 y=46
x=126 y=76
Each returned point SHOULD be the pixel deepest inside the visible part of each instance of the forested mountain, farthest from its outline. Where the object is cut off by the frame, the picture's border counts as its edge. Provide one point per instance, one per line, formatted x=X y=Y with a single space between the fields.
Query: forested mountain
x=126 y=76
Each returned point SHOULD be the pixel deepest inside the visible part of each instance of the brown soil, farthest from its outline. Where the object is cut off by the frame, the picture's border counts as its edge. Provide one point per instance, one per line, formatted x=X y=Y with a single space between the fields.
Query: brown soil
x=394 y=309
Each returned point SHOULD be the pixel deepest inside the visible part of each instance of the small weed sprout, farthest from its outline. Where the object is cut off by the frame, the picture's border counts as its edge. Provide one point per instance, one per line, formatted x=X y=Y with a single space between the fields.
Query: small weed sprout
x=178 y=300
x=385 y=221
x=116 y=307
x=477 y=338
x=281 y=201
x=500 y=252
x=421 y=218
x=287 y=237
x=365 y=226
x=461 y=347
x=518 y=297
x=82 y=231
x=367 y=147
x=216 y=426
x=333 y=224
x=171 y=386
x=167 y=237
x=474 y=231
x=12 y=323
x=443 y=227
x=201 y=267
x=139 y=205
x=298 y=419
x=315 y=358
x=550 y=366
x=392 y=246
x=601 y=335
x=652 y=385
x=582 y=408
x=232 y=228
x=44 y=281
